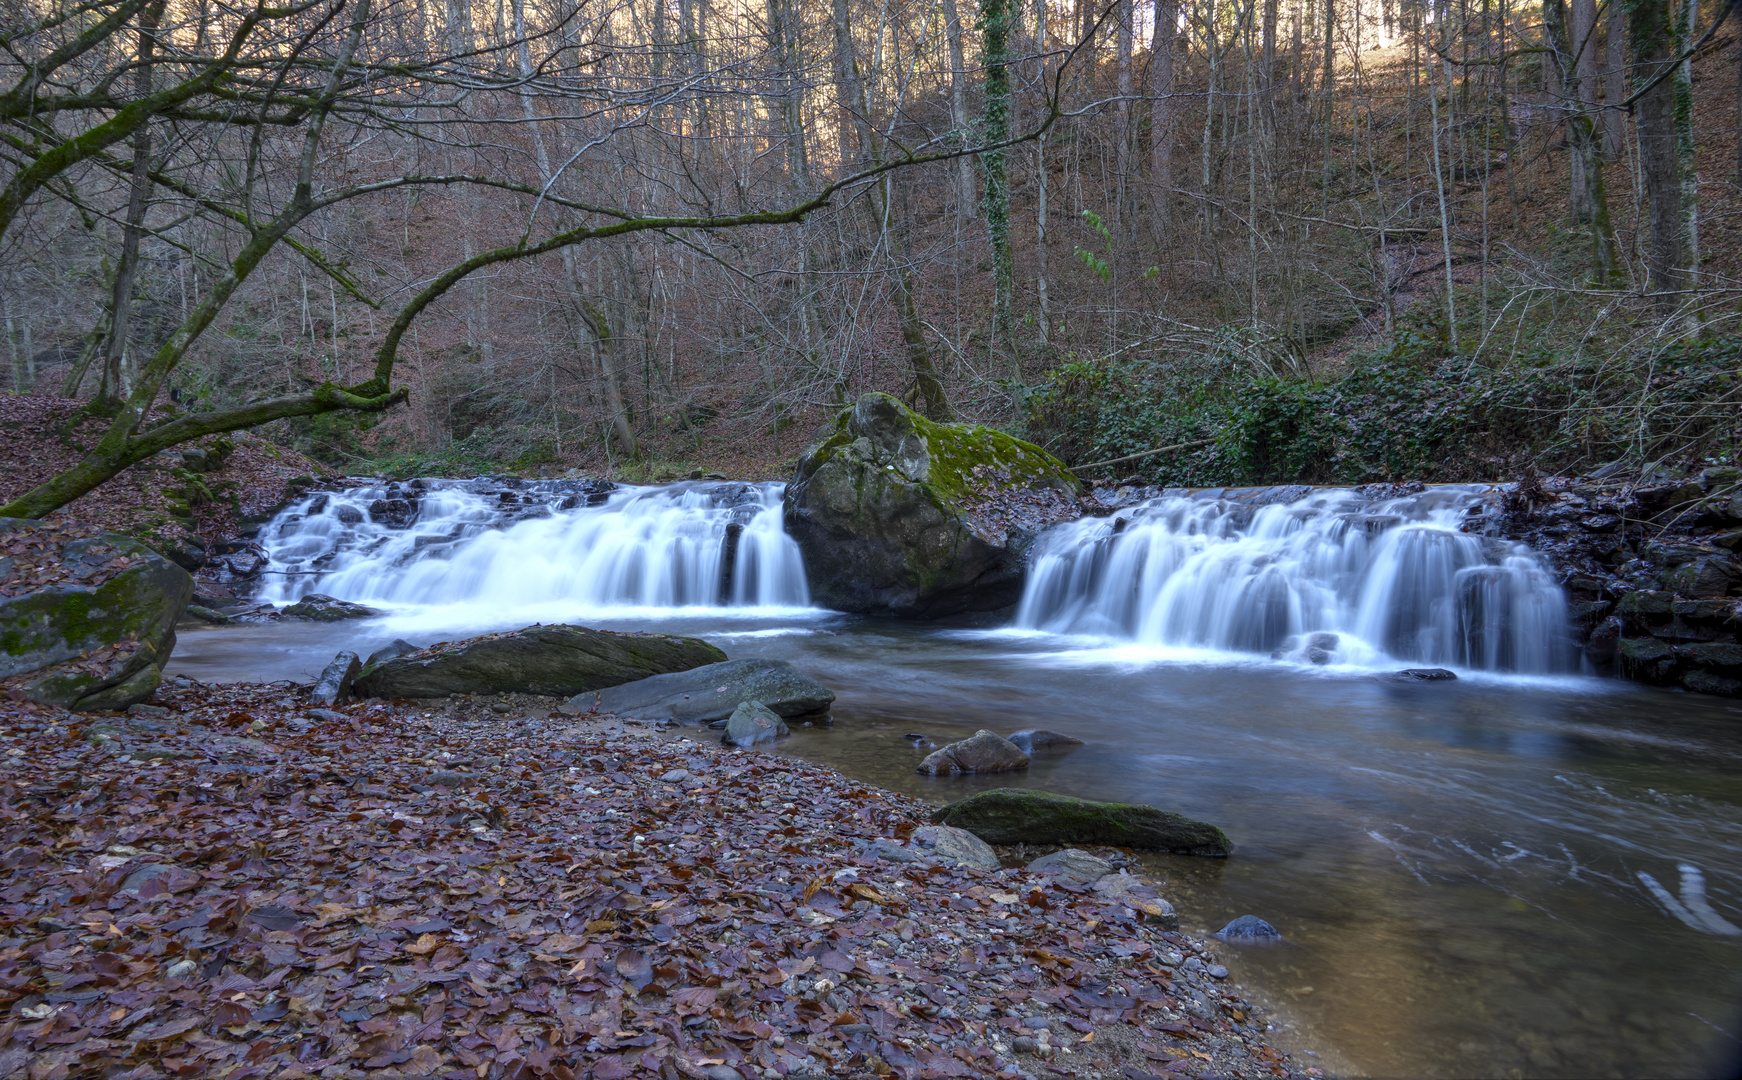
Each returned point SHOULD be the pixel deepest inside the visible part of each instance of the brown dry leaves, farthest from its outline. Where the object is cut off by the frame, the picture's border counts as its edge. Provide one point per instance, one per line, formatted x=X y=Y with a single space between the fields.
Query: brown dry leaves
x=230 y=890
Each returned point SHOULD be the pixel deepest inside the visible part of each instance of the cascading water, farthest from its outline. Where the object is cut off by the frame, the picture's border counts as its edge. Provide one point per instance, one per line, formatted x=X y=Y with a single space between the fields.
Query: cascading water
x=452 y=542
x=1331 y=577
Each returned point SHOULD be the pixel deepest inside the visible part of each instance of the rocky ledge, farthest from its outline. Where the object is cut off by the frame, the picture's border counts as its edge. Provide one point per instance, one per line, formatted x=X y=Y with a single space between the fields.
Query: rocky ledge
x=1651 y=565
x=227 y=883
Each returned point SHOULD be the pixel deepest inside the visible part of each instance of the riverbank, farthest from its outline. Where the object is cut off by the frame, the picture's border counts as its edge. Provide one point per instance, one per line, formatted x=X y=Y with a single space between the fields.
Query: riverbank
x=232 y=885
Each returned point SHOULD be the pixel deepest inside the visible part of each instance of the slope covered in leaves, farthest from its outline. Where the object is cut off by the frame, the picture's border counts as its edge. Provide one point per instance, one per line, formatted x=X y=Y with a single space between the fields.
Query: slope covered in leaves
x=230 y=888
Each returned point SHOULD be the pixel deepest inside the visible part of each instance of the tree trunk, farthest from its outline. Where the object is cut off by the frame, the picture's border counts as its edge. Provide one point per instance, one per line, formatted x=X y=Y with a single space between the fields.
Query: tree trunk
x=1161 y=117
x=1588 y=202
x=1122 y=150
x=995 y=22
x=1615 y=86
x=1651 y=25
x=962 y=169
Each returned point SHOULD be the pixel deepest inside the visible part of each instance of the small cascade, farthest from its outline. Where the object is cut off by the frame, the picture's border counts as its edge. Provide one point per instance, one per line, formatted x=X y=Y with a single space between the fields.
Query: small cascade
x=534 y=543
x=1332 y=577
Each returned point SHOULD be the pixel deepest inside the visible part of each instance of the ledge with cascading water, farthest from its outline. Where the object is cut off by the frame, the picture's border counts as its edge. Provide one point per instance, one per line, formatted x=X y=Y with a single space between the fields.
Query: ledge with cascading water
x=1333 y=577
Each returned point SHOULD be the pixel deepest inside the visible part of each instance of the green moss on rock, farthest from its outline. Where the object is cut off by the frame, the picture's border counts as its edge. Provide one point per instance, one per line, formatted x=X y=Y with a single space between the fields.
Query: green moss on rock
x=1016 y=816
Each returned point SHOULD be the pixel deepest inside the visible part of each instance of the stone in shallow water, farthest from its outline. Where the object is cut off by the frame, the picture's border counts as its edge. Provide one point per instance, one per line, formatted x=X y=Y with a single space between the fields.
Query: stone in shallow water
x=706 y=694
x=752 y=723
x=984 y=752
x=1423 y=674
x=1040 y=740
x=1013 y=816
x=1249 y=928
x=548 y=660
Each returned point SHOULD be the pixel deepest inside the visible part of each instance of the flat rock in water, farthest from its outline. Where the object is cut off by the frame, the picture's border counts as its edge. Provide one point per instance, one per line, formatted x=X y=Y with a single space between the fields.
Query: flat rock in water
x=1012 y=816
x=317 y=607
x=1039 y=740
x=752 y=723
x=555 y=661
x=1073 y=864
x=708 y=693
x=334 y=685
x=1423 y=674
x=984 y=752
x=955 y=847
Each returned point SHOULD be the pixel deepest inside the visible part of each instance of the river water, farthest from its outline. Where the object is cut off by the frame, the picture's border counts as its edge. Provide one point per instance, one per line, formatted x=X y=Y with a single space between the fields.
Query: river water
x=1506 y=875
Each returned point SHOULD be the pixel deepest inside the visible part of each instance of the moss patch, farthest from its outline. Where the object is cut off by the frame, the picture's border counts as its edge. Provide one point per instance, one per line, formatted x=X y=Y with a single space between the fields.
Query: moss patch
x=1015 y=816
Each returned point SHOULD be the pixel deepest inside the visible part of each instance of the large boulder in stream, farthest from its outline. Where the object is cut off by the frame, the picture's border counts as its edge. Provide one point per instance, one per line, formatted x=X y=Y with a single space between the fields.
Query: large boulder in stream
x=897 y=515
x=87 y=619
x=705 y=694
x=1012 y=816
x=552 y=660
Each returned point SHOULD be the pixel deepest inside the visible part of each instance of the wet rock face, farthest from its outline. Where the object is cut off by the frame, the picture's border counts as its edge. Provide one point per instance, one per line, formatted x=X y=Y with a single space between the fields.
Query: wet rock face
x=1652 y=569
x=317 y=607
x=548 y=660
x=86 y=620
x=897 y=515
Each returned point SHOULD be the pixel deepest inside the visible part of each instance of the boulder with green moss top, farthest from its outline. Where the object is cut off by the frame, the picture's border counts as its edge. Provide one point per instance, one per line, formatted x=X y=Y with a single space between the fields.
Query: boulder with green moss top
x=897 y=515
x=1014 y=816
x=551 y=660
x=87 y=618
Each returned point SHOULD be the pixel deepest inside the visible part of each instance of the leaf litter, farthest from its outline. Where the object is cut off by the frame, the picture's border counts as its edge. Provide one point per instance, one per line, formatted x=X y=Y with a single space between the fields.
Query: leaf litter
x=224 y=886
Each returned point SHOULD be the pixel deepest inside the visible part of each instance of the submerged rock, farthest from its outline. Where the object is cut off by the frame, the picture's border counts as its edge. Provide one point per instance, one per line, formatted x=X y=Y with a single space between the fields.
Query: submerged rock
x=1012 y=816
x=86 y=620
x=984 y=752
x=953 y=846
x=554 y=661
x=752 y=723
x=705 y=694
x=898 y=515
x=1039 y=740
x=334 y=685
x=1249 y=928
x=317 y=607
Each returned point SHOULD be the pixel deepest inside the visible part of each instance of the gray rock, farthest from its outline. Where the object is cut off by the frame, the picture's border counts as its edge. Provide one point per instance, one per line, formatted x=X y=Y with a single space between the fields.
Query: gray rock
x=1432 y=674
x=317 y=607
x=97 y=638
x=334 y=685
x=146 y=710
x=1024 y=1044
x=894 y=851
x=324 y=714
x=675 y=776
x=1012 y=816
x=1039 y=740
x=954 y=847
x=984 y=752
x=752 y=723
x=898 y=515
x=1072 y=864
x=709 y=693
x=723 y=1072
x=555 y=661
x=1249 y=928
x=1140 y=895
x=1217 y=971
x=396 y=647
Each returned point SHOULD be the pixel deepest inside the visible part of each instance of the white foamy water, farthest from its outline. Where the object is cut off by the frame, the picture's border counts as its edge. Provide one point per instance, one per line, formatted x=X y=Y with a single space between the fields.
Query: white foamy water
x=1333 y=578
x=683 y=546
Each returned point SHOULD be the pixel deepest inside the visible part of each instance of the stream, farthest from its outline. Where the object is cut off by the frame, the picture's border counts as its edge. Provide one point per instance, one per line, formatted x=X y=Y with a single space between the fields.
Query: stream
x=1523 y=872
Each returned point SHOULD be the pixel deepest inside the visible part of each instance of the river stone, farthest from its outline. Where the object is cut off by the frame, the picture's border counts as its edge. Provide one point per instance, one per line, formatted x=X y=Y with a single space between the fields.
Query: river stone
x=334 y=685
x=897 y=515
x=86 y=620
x=396 y=647
x=1428 y=674
x=752 y=723
x=1249 y=928
x=1012 y=816
x=705 y=694
x=954 y=847
x=317 y=607
x=1032 y=740
x=554 y=661
x=984 y=752
x=1071 y=863
x=1139 y=895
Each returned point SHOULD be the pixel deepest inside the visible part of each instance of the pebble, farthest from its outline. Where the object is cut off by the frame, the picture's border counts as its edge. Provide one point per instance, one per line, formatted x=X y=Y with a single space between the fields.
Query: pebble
x=147 y=710
x=1218 y=971
x=1023 y=1044
x=675 y=776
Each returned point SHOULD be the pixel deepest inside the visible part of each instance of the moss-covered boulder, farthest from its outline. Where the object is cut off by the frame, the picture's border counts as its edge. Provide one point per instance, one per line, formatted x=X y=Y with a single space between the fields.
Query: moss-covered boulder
x=897 y=515
x=552 y=660
x=1014 y=816
x=87 y=618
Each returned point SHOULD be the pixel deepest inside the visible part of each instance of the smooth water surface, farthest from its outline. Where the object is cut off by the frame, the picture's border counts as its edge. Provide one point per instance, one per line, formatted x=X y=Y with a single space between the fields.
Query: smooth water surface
x=1458 y=867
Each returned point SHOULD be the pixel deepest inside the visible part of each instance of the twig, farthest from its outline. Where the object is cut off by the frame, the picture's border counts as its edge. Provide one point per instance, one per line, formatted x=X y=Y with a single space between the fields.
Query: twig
x=1144 y=454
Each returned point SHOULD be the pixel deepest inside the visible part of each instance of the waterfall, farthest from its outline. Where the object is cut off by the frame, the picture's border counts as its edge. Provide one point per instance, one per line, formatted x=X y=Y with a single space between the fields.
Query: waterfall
x=1333 y=577
x=516 y=544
